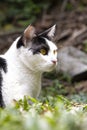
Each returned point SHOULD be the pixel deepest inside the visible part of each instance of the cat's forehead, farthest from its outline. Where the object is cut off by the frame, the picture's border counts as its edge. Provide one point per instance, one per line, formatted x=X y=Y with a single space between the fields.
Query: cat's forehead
x=40 y=41
x=44 y=41
x=51 y=45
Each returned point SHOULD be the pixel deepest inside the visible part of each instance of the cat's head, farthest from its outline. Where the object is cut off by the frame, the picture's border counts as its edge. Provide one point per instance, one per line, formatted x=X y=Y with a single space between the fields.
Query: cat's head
x=37 y=51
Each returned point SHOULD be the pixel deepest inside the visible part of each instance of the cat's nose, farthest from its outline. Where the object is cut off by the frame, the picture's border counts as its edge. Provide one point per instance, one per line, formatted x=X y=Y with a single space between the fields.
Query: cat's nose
x=54 y=61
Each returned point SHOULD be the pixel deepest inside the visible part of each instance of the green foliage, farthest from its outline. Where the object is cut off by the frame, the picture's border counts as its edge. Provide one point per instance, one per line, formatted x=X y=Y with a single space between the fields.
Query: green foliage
x=53 y=114
x=69 y=6
x=80 y=98
x=56 y=89
x=20 y=12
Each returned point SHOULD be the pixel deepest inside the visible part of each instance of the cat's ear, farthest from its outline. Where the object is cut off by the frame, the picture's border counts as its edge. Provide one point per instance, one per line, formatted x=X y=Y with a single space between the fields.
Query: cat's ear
x=49 y=32
x=29 y=34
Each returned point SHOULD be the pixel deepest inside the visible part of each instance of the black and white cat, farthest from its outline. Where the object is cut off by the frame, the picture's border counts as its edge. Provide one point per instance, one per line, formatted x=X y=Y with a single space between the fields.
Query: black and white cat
x=21 y=67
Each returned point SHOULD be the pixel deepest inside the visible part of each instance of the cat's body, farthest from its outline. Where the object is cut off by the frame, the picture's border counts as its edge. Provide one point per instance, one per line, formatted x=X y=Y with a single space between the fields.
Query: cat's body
x=21 y=67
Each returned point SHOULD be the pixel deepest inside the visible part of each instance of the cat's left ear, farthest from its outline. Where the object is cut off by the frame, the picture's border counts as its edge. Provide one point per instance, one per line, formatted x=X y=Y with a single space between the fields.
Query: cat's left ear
x=49 y=32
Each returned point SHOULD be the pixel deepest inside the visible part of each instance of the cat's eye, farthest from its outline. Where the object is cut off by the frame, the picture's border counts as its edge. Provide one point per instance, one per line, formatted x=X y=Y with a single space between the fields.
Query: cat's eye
x=43 y=51
x=55 y=51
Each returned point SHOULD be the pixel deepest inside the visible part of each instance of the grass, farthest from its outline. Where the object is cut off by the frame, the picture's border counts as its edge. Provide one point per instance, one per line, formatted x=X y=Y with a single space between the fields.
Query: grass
x=51 y=112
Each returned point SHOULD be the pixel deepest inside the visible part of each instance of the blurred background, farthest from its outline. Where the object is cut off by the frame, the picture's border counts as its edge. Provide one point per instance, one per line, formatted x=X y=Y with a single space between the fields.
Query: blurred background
x=70 y=16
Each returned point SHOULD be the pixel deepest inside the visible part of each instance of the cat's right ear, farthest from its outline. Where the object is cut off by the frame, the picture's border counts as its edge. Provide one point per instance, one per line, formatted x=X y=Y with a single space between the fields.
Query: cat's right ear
x=49 y=32
x=29 y=34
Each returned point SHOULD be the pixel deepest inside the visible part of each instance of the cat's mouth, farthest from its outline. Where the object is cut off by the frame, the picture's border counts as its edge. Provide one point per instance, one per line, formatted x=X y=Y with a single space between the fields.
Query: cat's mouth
x=51 y=66
x=54 y=62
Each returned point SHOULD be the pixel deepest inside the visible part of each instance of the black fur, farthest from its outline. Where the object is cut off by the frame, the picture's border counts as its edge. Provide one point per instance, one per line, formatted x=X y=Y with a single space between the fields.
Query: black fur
x=20 y=42
x=39 y=43
x=1 y=98
x=3 y=66
x=44 y=34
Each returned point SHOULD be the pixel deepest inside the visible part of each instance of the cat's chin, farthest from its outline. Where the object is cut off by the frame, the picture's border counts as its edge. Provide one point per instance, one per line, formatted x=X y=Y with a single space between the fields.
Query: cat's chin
x=51 y=68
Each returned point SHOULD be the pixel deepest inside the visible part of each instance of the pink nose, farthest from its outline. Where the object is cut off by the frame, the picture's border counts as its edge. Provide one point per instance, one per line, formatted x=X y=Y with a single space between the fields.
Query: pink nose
x=54 y=61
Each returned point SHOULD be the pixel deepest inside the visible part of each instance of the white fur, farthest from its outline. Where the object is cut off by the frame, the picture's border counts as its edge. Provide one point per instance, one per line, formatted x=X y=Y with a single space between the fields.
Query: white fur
x=24 y=72
x=52 y=31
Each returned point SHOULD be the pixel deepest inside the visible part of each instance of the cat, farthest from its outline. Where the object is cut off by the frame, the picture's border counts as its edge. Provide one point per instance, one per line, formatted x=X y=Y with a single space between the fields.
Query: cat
x=22 y=66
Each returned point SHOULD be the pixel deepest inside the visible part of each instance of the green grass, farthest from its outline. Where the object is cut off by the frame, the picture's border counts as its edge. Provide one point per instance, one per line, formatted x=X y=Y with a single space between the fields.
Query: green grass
x=50 y=112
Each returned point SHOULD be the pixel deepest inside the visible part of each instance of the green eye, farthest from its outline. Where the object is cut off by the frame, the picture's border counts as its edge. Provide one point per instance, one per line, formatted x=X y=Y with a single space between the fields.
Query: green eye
x=43 y=51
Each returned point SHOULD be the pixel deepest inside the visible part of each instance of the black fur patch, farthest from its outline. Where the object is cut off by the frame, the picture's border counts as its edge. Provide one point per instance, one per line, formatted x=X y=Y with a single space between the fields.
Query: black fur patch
x=20 y=42
x=3 y=66
x=44 y=34
x=1 y=98
x=39 y=43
